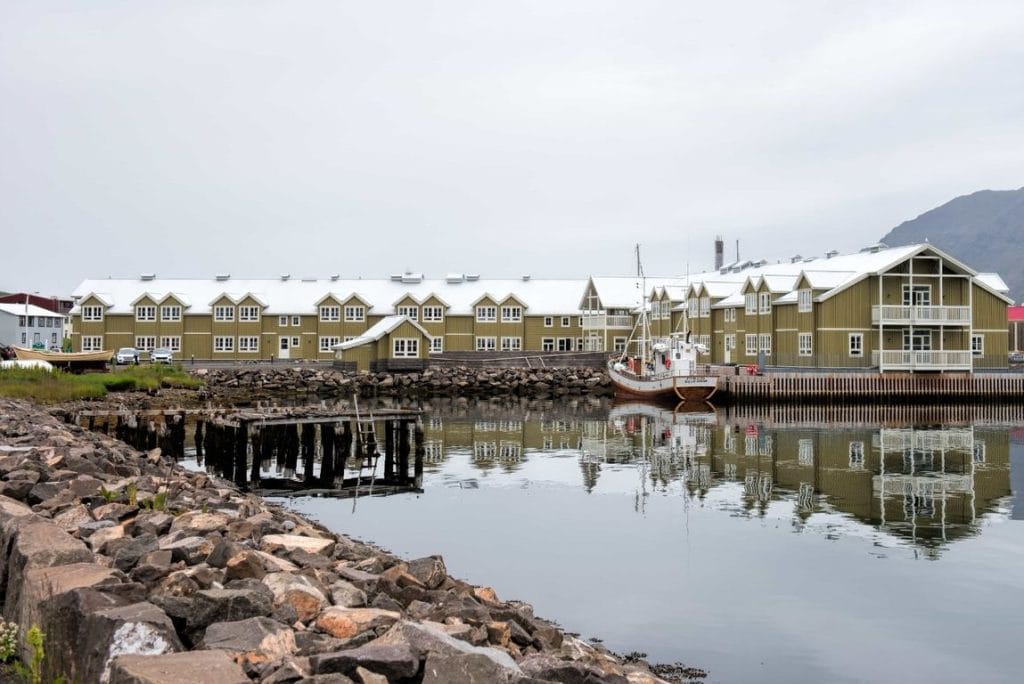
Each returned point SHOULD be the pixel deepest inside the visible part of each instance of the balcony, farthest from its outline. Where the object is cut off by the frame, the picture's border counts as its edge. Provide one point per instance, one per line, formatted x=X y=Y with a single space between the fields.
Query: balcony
x=921 y=315
x=607 y=322
x=952 y=439
x=947 y=360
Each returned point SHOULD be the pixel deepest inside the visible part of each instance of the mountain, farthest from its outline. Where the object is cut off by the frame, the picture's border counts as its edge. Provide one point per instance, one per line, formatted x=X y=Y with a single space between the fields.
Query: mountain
x=984 y=230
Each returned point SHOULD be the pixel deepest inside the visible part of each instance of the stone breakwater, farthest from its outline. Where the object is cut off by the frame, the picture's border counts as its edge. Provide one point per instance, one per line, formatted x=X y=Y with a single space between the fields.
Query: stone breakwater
x=273 y=381
x=140 y=572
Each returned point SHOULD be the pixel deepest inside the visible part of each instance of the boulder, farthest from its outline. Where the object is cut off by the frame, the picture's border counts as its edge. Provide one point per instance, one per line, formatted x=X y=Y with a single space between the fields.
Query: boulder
x=291 y=542
x=424 y=638
x=347 y=595
x=470 y=668
x=69 y=519
x=298 y=591
x=228 y=605
x=114 y=511
x=345 y=623
x=128 y=555
x=190 y=550
x=215 y=667
x=250 y=641
x=136 y=629
x=245 y=564
x=197 y=523
x=394 y=661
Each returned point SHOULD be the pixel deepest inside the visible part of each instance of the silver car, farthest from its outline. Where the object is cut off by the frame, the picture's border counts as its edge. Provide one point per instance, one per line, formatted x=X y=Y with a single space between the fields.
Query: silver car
x=161 y=355
x=126 y=355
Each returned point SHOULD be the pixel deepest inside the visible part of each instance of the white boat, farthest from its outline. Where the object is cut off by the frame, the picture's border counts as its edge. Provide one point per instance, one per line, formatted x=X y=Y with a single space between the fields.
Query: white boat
x=653 y=368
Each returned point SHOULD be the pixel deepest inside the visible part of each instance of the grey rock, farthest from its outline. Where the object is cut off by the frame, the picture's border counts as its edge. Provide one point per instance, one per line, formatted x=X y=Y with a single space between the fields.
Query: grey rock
x=394 y=661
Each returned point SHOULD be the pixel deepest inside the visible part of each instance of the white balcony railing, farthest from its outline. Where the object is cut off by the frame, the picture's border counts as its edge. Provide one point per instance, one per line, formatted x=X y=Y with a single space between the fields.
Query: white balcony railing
x=921 y=315
x=605 y=321
x=923 y=360
x=896 y=439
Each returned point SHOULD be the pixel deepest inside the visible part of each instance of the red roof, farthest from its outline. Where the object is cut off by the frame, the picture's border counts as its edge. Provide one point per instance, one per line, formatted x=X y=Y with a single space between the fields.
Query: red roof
x=1016 y=313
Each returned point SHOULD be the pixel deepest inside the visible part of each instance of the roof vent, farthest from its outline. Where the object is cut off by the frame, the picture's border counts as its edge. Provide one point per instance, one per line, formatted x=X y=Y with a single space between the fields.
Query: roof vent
x=223 y=276
x=762 y=262
x=472 y=277
x=809 y=259
x=285 y=277
x=831 y=253
x=877 y=247
x=453 y=278
x=412 y=278
x=723 y=271
x=147 y=276
x=396 y=277
x=334 y=277
x=526 y=277
x=795 y=258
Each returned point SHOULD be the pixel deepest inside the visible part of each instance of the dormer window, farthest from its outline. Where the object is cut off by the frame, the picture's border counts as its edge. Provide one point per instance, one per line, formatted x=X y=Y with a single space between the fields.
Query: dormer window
x=804 y=301
x=249 y=314
x=411 y=311
x=145 y=313
x=764 y=303
x=512 y=314
x=750 y=303
x=170 y=313
x=92 y=313
x=224 y=313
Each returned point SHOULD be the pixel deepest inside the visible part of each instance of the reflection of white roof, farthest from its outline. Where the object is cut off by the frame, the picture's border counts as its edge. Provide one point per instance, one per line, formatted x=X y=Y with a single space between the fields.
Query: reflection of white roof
x=30 y=310
x=379 y=330
x=298 y=296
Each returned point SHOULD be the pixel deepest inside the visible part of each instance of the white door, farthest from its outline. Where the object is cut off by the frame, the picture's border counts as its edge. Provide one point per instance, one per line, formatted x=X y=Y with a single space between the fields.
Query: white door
x=282 y=347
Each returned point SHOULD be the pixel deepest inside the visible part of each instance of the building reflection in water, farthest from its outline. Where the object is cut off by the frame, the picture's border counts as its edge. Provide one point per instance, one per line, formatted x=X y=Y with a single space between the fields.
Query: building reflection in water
x=927 y=477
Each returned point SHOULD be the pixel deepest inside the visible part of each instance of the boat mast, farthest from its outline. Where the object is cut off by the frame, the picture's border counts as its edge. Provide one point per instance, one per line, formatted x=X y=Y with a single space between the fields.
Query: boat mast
x=645 y=327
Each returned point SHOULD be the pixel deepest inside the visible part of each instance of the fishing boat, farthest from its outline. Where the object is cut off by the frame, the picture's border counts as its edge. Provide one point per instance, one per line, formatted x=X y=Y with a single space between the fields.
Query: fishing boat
x=663 y=367
x=66 y=360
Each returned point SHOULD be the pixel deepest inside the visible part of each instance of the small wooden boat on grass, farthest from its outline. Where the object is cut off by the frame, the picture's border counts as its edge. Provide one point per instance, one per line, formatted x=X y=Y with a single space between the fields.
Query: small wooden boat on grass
x=73 y=361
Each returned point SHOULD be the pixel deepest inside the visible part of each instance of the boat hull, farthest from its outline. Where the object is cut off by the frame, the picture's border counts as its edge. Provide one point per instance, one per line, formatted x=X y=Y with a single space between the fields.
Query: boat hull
x=70 y=360
x=681 y=387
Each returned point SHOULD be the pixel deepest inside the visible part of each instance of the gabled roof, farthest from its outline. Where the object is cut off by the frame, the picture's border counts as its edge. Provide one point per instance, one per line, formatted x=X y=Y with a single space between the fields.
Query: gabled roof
x=379 y=330
x=30 y=310
x=103 y=298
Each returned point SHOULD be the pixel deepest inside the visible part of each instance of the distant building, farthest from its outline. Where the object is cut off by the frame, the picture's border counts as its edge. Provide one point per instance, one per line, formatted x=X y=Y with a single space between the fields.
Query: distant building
x=24 y=325
x=1015 y=314
x=57 y=305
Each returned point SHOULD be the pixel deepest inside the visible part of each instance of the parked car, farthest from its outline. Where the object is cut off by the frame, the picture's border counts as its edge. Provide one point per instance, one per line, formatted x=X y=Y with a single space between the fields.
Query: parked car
x=126 y=355
x=161 y=355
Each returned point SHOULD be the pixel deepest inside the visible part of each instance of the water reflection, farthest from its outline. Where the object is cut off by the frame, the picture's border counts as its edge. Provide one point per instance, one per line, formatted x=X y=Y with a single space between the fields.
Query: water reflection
x=925 y=484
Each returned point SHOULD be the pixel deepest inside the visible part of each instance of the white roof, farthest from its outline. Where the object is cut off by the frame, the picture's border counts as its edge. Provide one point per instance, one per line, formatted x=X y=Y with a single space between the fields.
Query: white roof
x=298 y=296
x=379 y=330
x=994 y=282
x=30 y=310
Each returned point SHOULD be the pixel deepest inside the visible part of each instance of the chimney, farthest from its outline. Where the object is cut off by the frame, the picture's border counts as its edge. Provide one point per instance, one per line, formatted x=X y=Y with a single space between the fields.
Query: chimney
x=719 y=252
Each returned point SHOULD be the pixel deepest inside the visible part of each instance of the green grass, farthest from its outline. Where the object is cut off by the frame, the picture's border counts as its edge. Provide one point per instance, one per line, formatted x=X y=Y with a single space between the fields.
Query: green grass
x=56 y=387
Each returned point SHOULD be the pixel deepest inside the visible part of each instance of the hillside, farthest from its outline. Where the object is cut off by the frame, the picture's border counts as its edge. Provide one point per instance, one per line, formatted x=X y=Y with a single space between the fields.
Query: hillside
x=985 y=230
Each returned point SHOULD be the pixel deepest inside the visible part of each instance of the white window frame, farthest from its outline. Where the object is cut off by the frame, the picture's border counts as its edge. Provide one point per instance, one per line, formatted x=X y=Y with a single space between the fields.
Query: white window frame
x=805 y=344
x=805 y=452
x=145 y=312
x=511 y=344
x=917 y=295
x=804 y=301
x=405 y=348
x=172 y=342
x=729 y=341
x=327 y=342
x=296 y=320
x=730 y=315
x=437 y=345
x=248 y=314
x=547 y=344
x=511 y=314
x=619 y=344
x=705 y=307
x=920 y=340
x=92 y=313
x=248 y=344
x=224 y=314
x=282 y=321
x=355 y=313
x=485 y=343
x=764 y=303
x=296 y=343
x=92 y=342
x=223 y=344
x=413 y=312
x=693 y=307
x=170 y=313
x=433 y=314
x=486 y=314
x=977 y=344
x=750 y=303
x=565 y=344
x=856 y=454
x=855 y=345
x=750 y=344
x=566 y=321
x=145 y=342
x=764 y=343
x=330 y=313
x=549 y=321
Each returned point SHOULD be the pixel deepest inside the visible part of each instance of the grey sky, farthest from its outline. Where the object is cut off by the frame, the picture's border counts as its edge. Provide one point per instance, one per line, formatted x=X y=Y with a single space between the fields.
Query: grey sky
x=312 y=138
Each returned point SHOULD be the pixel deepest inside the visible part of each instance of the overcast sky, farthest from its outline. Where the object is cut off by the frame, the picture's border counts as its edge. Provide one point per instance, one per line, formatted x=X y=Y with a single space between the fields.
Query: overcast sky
x=367 y=138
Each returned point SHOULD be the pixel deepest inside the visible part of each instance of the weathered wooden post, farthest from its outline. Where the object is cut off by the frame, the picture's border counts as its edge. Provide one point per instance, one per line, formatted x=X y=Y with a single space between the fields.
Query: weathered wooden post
x=199 y=441
x=241 y=448
x=389 y=451
x=420 y=453
x=308 y=451
x=258 y=448
x=342 y=454
x=327 y=454
x=403 y=452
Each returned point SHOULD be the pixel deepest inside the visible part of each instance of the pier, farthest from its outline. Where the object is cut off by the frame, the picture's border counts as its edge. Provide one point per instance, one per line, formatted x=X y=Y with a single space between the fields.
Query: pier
x=330 y=451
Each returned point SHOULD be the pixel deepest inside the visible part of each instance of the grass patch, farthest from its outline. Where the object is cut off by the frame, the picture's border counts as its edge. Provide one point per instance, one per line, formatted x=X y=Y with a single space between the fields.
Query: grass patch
x=56 y=387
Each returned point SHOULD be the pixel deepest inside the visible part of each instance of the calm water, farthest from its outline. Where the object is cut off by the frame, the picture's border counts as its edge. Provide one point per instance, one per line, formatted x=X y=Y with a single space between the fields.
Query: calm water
x=783 y=547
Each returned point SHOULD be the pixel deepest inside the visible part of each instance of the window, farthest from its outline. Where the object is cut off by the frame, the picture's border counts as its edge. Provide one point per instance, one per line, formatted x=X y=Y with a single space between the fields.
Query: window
x=750 y=303
x=856 y=455
x=249 y=344
x=296 y=320
x=547 y=344
x=694 y=306
x=978 y=345
x=92 y=342
x=579 y=321
x=486 y=314
x=765 y=344
x=512 y=314
x=405 y=347
x=145 y=313
x=764 y=305
x=804 y=301
x=412 y=312
x=750 y=345
x=53 y=338
x=282 y=321
x=145 y=343
x=248 y=314
x=170 y=312
x=730 y=315
x=433 y=314
x=565 y=344
x=856 y=344
x=437 y=345
x=91 y=313
x=332 y=313
x=223 y=313
x=223 y=344
x=730 y=342
x=805 y=452
x=565 y=321
x=919 y=340
x=705 y=307
x=485 y=343
x=511 y=344
x=549 y=321
x=24 y=338
x=355 y=313
x=804 y=344
x=619 y=344
x=173 y=343
x=917 y=295
x=295 y=343
x=327 y=342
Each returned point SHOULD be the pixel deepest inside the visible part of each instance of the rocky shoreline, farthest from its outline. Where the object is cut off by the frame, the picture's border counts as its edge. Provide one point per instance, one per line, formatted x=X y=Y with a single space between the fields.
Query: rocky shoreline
x=140 y=571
